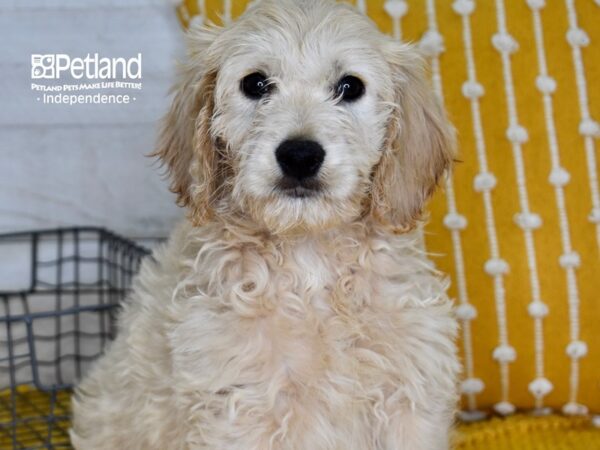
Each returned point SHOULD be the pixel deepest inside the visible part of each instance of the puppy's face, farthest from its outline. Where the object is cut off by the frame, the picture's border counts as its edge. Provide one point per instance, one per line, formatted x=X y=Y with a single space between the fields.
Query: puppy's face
x=302 y=115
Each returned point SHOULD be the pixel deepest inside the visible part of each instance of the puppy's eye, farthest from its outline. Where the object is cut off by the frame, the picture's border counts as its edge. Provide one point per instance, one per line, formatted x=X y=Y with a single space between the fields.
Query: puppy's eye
x=350 y=88
x=255 y=85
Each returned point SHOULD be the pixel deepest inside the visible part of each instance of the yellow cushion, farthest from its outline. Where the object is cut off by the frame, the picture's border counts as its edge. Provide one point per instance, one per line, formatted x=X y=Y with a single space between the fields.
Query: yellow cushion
x=25 y=418
x=522 y=432
x=474 y=239
x=518 y=432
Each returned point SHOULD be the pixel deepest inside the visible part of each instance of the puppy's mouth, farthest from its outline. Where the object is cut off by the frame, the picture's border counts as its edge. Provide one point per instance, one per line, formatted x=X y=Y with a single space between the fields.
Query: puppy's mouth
x=294 y=188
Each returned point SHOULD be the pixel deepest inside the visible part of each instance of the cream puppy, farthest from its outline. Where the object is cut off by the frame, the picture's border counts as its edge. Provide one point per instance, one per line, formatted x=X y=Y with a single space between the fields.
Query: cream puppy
x=293 y=310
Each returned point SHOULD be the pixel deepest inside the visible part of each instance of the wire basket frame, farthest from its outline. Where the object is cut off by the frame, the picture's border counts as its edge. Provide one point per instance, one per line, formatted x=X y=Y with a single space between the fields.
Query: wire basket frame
x=59 y=295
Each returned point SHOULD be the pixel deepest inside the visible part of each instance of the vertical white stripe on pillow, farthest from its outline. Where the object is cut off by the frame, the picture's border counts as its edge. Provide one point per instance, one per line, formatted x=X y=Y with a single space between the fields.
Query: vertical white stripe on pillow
x=484 y=183
x=432 y=45
x=558 y=178
x=226 y=12
x=396 y=9
x=361 y=5
x=588 y=128
x=517 y=135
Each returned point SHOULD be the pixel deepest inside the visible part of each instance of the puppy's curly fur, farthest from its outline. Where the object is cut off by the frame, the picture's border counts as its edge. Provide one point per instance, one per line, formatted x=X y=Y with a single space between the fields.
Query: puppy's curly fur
x=270 y=321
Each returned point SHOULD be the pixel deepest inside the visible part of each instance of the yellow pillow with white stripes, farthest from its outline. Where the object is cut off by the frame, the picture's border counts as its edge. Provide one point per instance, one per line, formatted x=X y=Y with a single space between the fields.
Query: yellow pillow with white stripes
x=518 y=224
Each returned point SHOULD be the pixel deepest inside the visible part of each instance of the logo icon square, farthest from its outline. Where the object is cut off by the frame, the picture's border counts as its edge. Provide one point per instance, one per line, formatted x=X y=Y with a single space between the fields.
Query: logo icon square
x=42 y=66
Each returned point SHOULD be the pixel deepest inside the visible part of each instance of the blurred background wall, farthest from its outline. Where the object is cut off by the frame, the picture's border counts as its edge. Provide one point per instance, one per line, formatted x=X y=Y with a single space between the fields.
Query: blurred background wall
x=66 y=165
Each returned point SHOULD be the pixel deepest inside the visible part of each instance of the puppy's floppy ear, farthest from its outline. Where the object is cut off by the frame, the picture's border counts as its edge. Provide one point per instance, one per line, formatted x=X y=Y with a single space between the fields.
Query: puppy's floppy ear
x=186 y=145
x=419 y=145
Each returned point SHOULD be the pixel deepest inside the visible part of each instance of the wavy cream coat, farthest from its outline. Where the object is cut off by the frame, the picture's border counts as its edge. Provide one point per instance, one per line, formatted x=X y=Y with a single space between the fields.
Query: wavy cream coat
x=271 y=322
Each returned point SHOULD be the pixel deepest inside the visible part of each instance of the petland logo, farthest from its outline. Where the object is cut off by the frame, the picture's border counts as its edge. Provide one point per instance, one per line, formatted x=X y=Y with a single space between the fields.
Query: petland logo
x=92 y=67
x=61 y=80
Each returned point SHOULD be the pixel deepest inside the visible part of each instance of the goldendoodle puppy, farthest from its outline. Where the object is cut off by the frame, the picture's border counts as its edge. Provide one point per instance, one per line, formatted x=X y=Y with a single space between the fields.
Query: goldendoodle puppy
x=294 y=309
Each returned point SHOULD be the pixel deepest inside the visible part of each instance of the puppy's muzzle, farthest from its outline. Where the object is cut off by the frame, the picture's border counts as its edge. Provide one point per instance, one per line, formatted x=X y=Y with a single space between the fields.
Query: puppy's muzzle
x=300 y=161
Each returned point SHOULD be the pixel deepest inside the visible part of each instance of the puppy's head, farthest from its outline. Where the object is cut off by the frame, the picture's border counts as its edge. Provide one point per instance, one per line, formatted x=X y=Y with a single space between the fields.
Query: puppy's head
x=302 y=115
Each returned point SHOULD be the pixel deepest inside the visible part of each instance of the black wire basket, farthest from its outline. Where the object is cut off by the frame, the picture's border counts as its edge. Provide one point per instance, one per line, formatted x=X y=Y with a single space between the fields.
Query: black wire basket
x=59 y=293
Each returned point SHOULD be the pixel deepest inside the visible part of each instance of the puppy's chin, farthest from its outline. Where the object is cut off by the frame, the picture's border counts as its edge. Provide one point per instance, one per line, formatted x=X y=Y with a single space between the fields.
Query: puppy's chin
x=297 y=211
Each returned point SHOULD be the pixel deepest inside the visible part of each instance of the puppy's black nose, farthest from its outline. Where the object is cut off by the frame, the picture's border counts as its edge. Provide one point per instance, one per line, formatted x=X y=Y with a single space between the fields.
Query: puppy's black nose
x=300 y=159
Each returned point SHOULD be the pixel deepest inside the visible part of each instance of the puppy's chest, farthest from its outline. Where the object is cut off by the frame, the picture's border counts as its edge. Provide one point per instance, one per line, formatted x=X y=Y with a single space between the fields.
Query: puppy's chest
x=313 y=285
x=306 y=314
x=284 y=331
